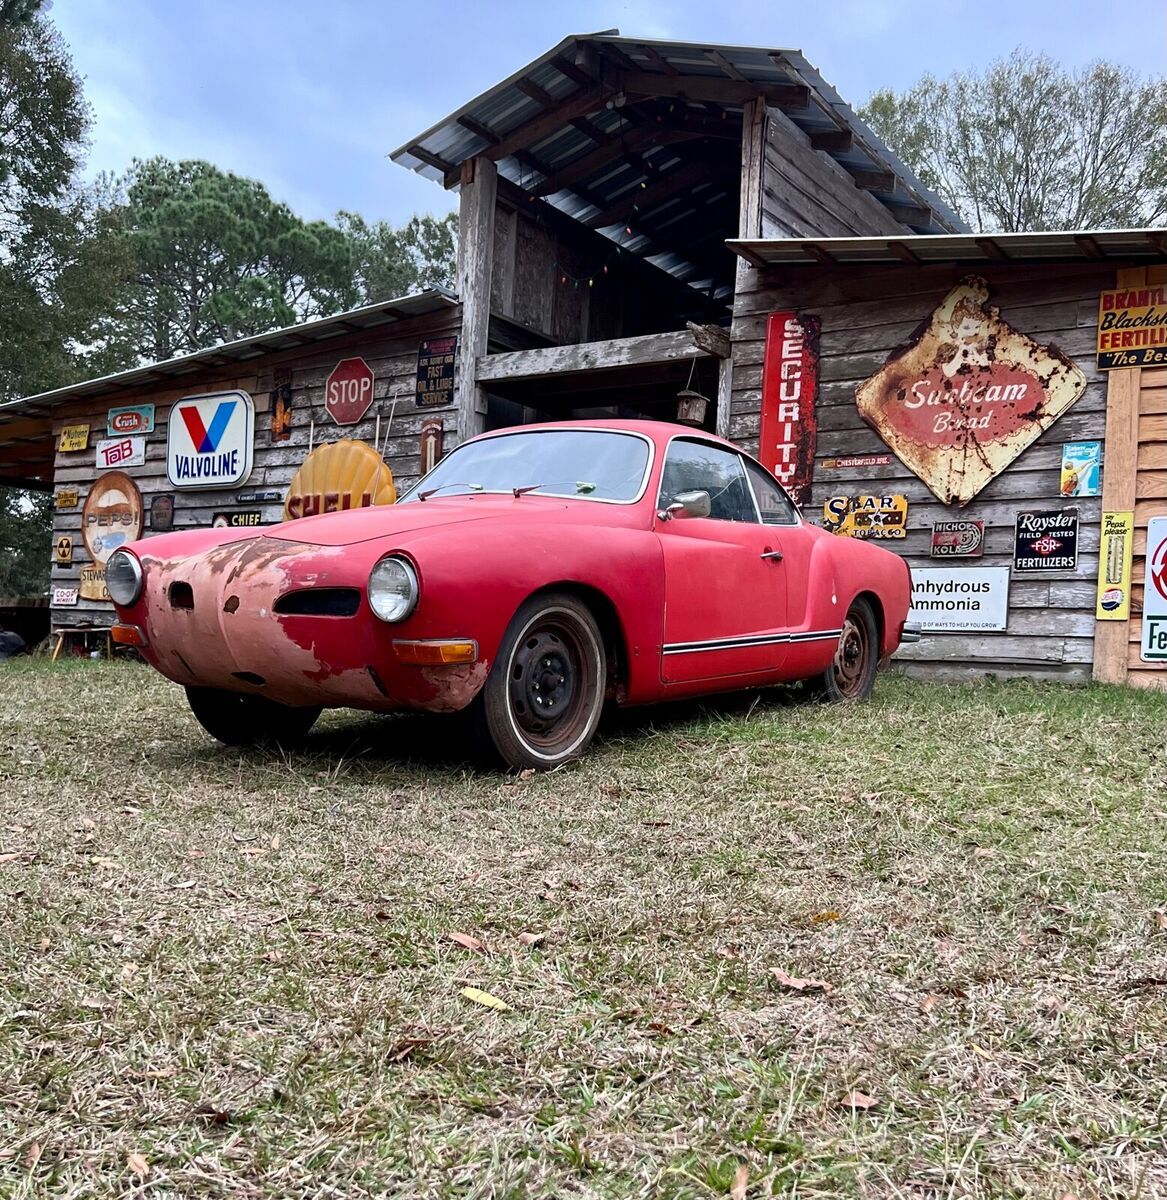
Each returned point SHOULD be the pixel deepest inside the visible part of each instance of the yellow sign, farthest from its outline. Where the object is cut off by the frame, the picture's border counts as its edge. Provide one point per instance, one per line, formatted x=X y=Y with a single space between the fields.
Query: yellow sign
x=93 y=583
x=63 y=550
x=867 y=516
x=340 y=475
x=73 y=437
x=1114 y=566
x=1132 y=327
x=67 y=498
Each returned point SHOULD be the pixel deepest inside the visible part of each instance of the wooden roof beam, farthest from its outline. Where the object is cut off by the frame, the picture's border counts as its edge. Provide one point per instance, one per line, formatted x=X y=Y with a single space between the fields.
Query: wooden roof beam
x=872 y=179
x=990 y=249
x=633 y=143
x=646 y=198
x=818 y=253
x=727 y=68
x=833 y=141
x=723 y=91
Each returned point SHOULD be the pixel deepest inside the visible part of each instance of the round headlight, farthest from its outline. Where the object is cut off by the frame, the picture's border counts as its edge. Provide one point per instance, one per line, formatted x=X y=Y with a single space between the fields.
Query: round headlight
x=393 y=589
x=123 y=578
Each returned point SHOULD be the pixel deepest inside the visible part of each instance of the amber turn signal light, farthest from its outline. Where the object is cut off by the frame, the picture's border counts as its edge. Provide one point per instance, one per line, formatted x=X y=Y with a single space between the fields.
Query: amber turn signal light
x=128 y=635
x=436 y=652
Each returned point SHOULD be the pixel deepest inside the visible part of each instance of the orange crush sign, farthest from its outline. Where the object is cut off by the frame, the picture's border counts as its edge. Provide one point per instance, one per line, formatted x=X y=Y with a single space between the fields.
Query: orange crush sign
x=340 y=475
x=1132 y=328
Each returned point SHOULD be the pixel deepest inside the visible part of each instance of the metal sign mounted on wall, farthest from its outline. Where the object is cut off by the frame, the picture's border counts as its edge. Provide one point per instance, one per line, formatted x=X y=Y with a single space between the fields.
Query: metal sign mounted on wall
x=64 y=597
x=855 y=460
x=967 y=395
x=281 y=407
x=162 y=513
x=67 y=498
x=1046 y=541
x=73 y=438
x=1115 y=564
x=132 y=418
x=338 y=476
x=866 y=516
x=348 y=391
x=1132 y=328
x=1154 y=640
x=121 y=452
x=430 y=443
x=111 y=517
x=958 y=539
x=63 y=550
x=789 y=425
x=435 y=372
x=240 y=518
x=210 y=441
x=1081 y=469
x=960 y=599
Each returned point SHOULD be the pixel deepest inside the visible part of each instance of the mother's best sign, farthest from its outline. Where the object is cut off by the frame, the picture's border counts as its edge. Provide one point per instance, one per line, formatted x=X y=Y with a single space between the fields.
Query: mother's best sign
x=210 y=440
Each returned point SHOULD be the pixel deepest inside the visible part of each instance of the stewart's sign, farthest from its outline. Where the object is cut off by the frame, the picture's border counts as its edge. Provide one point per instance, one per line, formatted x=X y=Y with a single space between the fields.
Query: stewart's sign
x=967 y=395
x=789 y=423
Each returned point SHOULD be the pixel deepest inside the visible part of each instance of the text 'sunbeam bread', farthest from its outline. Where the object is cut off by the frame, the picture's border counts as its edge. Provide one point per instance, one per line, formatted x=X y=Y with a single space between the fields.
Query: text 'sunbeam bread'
x=967 y=395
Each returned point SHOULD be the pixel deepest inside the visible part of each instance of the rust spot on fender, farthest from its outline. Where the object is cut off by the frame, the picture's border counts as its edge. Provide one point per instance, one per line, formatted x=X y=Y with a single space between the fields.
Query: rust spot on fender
x=454 y=687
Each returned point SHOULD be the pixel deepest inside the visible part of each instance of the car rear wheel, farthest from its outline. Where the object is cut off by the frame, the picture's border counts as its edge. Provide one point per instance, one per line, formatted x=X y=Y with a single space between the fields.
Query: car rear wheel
x=852 y=675
x=542 y=701
x=238 y=720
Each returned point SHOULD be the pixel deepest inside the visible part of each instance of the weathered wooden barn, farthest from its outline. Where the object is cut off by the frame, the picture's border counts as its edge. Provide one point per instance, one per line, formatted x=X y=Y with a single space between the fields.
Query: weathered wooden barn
x=633 y=215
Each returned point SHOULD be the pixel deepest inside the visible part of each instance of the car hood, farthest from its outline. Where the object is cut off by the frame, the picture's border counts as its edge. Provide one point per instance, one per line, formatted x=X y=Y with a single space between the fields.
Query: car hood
x=394 y=520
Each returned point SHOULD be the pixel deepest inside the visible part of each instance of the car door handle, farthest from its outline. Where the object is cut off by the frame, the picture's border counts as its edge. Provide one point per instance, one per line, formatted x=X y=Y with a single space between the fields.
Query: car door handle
x=775 y=555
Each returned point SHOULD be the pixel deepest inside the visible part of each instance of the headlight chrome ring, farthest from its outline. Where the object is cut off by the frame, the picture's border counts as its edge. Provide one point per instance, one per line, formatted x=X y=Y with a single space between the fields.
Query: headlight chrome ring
x=123 y=578
x=393 y=589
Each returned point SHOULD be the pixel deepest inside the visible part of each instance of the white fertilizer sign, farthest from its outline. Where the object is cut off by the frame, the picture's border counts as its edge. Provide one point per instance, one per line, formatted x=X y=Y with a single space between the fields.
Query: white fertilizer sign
x=960 y=599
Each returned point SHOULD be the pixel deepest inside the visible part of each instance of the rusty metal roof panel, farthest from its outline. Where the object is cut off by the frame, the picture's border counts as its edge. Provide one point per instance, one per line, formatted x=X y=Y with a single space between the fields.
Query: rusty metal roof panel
x=1080 y=245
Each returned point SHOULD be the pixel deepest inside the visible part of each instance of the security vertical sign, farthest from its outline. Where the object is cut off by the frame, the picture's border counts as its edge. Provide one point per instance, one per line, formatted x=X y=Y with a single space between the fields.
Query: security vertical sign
x=1155 y=593
x=210 y=440
x=789 y=425
x=348 y=391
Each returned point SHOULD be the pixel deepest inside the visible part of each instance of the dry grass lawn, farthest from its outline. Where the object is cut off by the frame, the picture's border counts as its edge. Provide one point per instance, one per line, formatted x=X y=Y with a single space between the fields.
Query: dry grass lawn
x=913 y=948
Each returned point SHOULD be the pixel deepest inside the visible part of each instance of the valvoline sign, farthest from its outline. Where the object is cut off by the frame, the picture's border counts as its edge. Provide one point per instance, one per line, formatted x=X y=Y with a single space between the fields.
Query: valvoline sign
x=210 y=440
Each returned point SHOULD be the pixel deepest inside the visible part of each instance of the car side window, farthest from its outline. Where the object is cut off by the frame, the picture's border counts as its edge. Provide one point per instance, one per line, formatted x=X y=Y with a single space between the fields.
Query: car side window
x=701 y=467
x=774 y=504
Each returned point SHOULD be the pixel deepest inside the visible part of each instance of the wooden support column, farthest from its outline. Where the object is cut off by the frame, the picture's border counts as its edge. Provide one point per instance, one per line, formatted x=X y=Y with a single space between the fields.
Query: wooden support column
x=1118 y=488
x=475 y=263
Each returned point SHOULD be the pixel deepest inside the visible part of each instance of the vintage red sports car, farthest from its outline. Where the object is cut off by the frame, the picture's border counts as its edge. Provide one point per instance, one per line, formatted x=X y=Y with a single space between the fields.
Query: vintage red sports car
x=533 y=574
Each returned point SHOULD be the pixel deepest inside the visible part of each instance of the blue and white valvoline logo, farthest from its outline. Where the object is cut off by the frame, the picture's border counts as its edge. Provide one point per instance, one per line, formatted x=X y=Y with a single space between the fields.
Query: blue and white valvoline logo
x=210 y=440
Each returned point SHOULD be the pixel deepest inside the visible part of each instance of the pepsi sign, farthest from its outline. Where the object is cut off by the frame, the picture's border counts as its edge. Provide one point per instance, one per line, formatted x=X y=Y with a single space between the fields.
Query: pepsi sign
x=210 y=440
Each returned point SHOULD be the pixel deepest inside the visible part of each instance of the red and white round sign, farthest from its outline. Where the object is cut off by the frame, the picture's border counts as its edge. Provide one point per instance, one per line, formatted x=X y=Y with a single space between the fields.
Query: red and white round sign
x=348 y=391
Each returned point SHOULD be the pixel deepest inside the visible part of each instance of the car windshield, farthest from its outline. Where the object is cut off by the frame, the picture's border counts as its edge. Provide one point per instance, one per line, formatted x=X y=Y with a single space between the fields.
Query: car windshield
x=586 y=464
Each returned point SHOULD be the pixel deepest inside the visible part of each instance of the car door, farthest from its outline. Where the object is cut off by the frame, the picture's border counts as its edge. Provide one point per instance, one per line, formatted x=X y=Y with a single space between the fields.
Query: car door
x=725 y=590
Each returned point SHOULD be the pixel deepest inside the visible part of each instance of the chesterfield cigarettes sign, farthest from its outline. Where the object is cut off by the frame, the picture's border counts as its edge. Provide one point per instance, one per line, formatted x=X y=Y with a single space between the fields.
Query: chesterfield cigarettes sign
x=967 y=395
x=789 y=392
x=1132 y=328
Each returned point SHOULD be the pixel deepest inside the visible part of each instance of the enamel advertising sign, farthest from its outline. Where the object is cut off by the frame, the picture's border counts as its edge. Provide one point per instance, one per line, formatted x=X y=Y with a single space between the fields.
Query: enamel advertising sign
x=121 y=452
x=1154 y=642
x=967 y=395
x=960 y=599
x=210 y=440
x=112 y=516
x=867 y=516
x=1115 y=563
x=132 y=418
x=1132 y=328
x=789 y=425
x=1046 y=541
x=958 y=539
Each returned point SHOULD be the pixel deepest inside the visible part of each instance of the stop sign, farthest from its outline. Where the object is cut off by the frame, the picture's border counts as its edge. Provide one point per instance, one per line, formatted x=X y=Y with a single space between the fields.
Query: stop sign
x=349 y=391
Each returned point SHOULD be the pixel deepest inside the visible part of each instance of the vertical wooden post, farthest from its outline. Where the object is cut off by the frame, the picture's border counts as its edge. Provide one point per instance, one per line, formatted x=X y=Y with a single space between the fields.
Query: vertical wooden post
x=749 y=225
x=475 y=262
x=1118 y=488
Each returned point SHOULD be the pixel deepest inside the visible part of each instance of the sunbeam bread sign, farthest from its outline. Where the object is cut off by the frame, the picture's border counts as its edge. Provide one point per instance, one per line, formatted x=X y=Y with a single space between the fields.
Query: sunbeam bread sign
x=210 y=440
x=967 y=394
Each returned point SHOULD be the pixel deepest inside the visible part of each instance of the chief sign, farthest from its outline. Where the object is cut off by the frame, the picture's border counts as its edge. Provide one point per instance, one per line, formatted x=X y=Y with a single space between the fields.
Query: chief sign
x=348 y=391
x=967 y=395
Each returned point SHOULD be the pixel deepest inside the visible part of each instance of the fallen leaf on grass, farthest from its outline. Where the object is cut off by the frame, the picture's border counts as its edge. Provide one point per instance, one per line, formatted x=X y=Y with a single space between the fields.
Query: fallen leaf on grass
x=11 y=857
x=532 y=939
x=820 y=917
x=405 y=1048
x=859 y=1101
x=1051 y=1005
x=527 y=773
x=138 y=1165
x=252 y=850
x=33 y=1155
x=982 y=852
x=465 y=940
x=481 y=997
x=43 y=944
x=275 y=842
x=741 y=1181
x=186 y=883
x=929 y=1002
x=801 y=985
x=212 y=1113
x=1160 y=919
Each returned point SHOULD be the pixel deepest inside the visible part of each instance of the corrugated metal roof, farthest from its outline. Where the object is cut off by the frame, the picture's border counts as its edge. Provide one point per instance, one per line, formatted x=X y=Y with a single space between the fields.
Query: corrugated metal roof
x=294 y=337
x=1091 y=245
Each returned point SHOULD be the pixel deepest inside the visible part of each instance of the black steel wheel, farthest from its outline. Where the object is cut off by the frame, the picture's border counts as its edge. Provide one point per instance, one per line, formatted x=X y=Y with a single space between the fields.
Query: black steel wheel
x=238 y=720
x=542 y=701
x=852 y=675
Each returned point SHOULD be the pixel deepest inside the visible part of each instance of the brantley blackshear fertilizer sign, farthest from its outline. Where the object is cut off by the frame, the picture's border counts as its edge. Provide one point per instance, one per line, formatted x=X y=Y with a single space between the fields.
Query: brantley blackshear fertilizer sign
x=960 y=599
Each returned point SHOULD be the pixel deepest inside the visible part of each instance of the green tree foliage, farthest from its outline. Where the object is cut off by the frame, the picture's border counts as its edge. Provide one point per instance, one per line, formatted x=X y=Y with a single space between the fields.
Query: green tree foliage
x=1029 y=145
x=18 y=12
x=390 y=262
x=26 y=527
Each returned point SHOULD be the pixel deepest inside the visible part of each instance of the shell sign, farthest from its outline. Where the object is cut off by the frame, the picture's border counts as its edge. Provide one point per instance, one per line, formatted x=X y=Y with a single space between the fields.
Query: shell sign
x=967 y=395
x=338 y=476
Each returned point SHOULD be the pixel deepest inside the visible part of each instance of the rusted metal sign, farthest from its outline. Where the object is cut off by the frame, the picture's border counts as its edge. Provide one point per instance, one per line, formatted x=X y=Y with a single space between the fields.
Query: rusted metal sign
x=867 y=516
x=789 y=425
x=281 y=408
x=1132 y=328
x=1154 y=641
x=967 y=395
x=93 y=583
x=430 y=443
x=1046 y=541
x=162 y=513
x=111 y=517
x=855 y=460
x=67 y=498
x=63 y=550
x=958 y=539
x=1115 y=564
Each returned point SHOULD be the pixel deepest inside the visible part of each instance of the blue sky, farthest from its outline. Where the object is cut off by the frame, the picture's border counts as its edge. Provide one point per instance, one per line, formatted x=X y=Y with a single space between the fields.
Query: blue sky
x=310 y=96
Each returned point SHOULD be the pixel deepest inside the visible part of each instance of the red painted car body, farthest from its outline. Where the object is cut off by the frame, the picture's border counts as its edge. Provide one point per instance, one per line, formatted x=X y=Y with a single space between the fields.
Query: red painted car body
x=688 y=605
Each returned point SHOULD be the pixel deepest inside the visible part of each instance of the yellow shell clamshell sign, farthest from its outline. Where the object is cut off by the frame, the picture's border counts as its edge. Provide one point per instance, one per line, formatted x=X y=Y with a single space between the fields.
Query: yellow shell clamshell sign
x=340 y=475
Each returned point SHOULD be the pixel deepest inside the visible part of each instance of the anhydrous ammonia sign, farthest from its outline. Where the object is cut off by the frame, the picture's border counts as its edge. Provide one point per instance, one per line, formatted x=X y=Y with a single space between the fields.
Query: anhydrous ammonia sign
x=210 y=440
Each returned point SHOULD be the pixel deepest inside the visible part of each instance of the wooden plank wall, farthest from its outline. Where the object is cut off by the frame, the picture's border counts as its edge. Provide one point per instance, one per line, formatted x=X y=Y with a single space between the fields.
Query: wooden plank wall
x=868 y=312
x=393 y=359
x=1137 y=481
x=805 y=193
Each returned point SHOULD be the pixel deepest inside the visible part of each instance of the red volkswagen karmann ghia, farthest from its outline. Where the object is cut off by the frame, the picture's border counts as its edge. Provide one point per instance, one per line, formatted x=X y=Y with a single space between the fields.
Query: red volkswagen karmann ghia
x=533 y=574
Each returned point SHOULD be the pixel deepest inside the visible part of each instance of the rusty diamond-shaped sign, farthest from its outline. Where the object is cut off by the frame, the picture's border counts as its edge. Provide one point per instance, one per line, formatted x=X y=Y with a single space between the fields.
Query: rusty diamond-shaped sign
x=967 y=395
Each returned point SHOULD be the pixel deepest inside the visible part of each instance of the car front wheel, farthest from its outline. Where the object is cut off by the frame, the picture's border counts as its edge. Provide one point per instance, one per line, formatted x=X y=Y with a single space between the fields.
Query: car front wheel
x=542 y=701
x=238 y=720
x=852 y=675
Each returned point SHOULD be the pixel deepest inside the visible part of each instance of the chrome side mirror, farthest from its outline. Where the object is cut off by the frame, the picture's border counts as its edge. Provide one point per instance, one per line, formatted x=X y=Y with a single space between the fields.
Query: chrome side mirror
x=687 y=504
